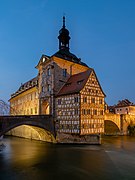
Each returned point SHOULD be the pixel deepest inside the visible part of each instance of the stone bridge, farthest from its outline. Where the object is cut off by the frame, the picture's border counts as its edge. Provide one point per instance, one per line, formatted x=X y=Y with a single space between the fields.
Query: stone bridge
x=112 y=123
x=44 y=122
x=117 y=124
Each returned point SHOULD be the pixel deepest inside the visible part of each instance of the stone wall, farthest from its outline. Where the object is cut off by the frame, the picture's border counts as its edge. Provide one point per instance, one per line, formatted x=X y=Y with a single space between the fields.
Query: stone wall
x=126 y=120
x=78 y=139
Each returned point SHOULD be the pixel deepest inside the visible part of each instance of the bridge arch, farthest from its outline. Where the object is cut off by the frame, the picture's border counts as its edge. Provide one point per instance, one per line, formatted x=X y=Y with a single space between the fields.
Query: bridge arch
x=32 y=132
x=111 y=128
x=42 y=125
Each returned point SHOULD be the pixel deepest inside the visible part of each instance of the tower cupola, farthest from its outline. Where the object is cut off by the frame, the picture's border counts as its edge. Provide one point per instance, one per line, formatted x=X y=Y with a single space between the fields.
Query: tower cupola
x=64 y=37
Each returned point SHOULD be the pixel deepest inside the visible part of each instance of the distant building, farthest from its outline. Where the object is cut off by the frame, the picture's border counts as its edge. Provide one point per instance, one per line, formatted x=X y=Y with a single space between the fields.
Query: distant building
x=123 y=107
x=66 y=88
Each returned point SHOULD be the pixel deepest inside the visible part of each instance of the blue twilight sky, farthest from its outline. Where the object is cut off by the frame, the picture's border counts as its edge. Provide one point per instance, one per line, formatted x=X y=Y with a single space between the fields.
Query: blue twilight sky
x=102 y=35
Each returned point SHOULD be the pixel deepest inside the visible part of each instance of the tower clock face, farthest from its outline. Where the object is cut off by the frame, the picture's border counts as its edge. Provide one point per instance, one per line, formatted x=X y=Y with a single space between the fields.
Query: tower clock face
x=43 y=59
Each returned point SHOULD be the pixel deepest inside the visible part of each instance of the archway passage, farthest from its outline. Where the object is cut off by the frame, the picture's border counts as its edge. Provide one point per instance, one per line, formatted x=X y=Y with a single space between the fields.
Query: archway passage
x=31 y=132
x=45 y=108
x=110 y=128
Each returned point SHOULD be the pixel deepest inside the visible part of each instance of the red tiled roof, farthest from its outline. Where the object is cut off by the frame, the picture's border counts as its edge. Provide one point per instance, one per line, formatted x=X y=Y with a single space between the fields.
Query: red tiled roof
x=75 y=83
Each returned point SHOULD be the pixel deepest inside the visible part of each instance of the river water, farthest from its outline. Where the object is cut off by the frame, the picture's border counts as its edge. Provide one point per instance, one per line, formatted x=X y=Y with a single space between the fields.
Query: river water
x=23 y=159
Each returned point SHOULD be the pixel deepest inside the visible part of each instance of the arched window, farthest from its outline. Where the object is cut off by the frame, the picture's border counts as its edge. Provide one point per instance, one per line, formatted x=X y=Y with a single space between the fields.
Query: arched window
x=49 y=88
x=48 y=71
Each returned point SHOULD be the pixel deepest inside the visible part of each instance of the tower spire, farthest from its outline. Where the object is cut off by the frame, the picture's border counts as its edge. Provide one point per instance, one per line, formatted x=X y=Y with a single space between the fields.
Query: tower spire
x=64 y=37
x=64 y=22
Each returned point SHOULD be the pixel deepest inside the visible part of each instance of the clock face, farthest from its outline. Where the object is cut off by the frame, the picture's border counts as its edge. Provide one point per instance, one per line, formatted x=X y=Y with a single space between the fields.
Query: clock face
x=43 y=59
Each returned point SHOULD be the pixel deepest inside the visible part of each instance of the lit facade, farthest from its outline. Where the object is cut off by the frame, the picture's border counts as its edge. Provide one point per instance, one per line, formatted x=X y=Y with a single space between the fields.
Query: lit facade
x=80 y=105
x=25 y=100
x=66 y=88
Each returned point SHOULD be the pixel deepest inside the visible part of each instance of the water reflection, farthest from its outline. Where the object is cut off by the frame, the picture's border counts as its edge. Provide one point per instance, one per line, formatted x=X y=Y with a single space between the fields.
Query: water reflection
x=25 y=159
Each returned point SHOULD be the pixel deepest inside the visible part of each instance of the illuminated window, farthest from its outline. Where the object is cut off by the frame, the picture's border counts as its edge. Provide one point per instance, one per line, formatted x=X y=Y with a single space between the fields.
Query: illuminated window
x=59 y=112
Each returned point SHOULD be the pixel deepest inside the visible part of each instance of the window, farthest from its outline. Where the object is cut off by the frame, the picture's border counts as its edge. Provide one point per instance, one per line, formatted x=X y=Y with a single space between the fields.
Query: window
x=76 y=99
x=59 y=112
x=35 y=110
x=95 y=112
x=64 y=72
x=100 y=101
x=49 y=88
x=92 y=100
x=48 y=71
x=76 y=112
x=83 y=111
x=79 y=82
x=84 y=99
x=43 y=88
x=31 y=97
x=88 y=111
x=101 y=112
x=59 y=101
x=68 y=84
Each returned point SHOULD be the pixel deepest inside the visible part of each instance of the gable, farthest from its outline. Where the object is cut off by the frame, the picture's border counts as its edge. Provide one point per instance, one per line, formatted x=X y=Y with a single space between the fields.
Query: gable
x=93 y=86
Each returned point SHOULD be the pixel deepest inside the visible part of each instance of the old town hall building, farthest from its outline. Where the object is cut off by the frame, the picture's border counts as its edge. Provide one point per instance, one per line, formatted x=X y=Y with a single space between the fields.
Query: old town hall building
x=67 y=89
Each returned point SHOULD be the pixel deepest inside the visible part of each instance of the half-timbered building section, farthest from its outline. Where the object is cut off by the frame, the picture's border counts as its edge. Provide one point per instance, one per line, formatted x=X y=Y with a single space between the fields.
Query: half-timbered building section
x=92 y=106
x=68 y=113
x=80 y=105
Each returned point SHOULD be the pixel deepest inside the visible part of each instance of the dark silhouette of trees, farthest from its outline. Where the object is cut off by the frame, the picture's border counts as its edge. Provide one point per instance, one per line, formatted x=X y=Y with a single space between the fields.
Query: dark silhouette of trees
x=4 y=108
x=131 y=130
